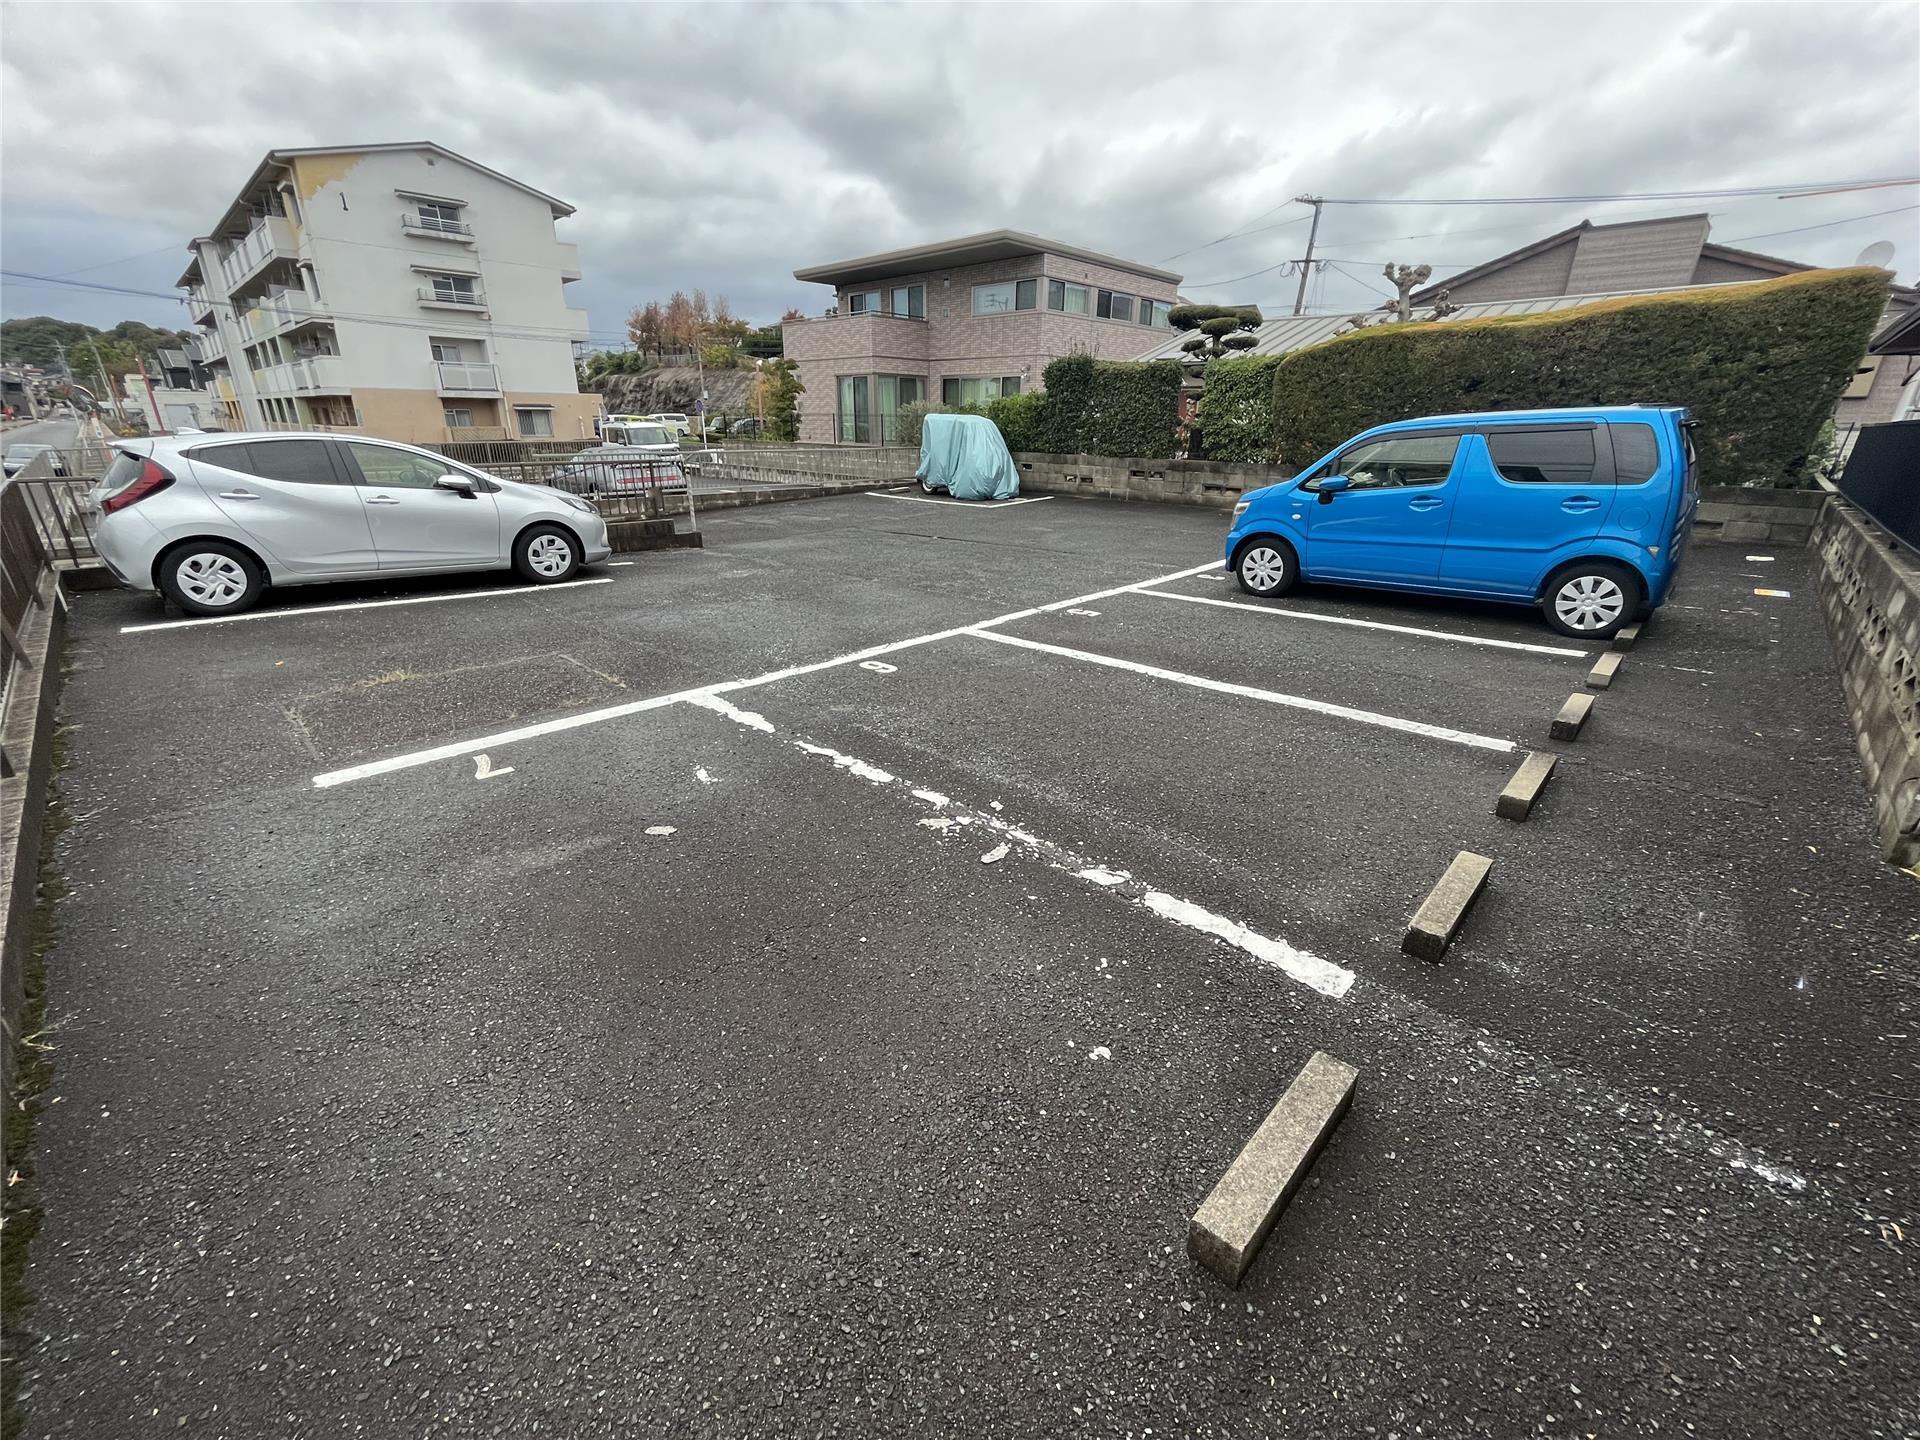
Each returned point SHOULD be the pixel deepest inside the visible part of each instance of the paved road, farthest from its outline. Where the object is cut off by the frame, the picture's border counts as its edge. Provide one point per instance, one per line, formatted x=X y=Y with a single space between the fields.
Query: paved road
x=58 y=433
x=419 y=1103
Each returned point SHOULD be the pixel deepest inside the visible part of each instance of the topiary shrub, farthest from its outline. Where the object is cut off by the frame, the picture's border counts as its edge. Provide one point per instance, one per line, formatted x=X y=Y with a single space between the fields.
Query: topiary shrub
x=1759 y=365
x=1109 y=407
x=1236 y=409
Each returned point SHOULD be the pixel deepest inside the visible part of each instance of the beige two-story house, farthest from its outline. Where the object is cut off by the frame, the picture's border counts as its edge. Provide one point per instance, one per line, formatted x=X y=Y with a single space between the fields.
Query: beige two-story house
x=962 y=322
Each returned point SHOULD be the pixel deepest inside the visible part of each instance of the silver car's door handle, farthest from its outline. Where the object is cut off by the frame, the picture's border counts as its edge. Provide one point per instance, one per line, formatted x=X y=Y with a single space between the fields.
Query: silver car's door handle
x=381 y=500
x=238 y=495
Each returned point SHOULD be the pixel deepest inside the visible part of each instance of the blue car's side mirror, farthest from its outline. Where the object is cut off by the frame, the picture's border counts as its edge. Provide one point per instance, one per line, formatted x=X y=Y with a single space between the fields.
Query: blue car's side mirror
x=1331 y=486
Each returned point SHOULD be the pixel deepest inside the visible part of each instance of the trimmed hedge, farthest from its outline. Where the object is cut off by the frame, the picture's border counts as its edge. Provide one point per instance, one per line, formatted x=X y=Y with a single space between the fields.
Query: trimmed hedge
x=1020 y=418
x=1109 y=407
x=1236 y=409
x=1760 y=366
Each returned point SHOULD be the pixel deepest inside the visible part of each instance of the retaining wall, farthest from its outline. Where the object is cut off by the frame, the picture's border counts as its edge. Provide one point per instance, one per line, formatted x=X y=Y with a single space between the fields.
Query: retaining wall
x=1175 y=482
x=1741 y=514
x=1871 y=596
x=872 y=463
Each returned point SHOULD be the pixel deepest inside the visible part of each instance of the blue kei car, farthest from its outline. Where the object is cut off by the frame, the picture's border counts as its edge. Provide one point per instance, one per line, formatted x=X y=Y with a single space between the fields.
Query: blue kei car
x=1581 y=512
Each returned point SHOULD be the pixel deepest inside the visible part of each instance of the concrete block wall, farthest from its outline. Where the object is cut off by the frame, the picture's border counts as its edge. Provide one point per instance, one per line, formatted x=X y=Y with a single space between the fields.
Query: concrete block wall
x=1741 y=514
x=1871 y=597
x=1213 y=483
x=816 y=464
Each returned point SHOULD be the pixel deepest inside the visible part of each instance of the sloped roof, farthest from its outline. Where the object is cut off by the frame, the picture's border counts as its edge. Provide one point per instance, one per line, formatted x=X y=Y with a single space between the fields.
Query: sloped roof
x=967 y=250
x=1596 y=246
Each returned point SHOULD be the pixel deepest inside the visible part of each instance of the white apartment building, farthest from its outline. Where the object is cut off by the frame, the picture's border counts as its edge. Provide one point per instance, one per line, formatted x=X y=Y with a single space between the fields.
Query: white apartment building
x=397 y=290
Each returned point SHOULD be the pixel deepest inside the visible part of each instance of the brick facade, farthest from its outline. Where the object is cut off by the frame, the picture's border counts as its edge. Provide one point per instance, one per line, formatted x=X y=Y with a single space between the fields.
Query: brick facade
x=954 y=342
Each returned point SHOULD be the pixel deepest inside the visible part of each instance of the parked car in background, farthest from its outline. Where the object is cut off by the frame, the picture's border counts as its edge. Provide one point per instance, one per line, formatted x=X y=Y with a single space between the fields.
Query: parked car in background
x=748 y=425
x=18 y=457
x=673 y=420
x=1582 y=512
x=620 y=469
x=210 y=522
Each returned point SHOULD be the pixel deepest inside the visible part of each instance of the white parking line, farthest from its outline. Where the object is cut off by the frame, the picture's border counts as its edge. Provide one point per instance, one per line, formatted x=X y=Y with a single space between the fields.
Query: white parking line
x=359 y=605
x=1367 y=624
x=1272 y=697
x=970 y=504
x=1300 y=965
x=704 y=692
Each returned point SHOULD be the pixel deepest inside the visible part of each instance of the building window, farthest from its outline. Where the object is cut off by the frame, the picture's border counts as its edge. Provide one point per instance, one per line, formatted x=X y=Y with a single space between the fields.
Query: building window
x=534 y=421
x=1025 y=293
x=1113 y=306
x=855 y=422
x=977 y=389
x=1068 y=299
x=910 y=301
x=458 y=417
x=996 y=299
x=1861 y=385
x=435 y=216
x=457 y=289
x=1146 y=312
x=862 y=302
x=895 y=391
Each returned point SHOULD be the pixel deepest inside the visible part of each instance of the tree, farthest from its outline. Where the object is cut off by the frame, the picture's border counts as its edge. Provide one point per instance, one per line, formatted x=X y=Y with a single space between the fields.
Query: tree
x=36 y=340
x=1222 y=328
x=766 y=343
x=725 y=325
x=794 y=312
x=646 y=328
x=678 y=324
x=1407 y=279
x=777 y=391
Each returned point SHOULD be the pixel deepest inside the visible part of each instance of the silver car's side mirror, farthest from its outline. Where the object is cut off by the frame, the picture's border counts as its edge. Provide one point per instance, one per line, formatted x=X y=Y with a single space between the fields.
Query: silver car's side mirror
x=459 y=484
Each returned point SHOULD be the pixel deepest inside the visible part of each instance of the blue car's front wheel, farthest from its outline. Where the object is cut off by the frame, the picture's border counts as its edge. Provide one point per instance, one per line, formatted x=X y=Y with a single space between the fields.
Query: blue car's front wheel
x=1266 y=566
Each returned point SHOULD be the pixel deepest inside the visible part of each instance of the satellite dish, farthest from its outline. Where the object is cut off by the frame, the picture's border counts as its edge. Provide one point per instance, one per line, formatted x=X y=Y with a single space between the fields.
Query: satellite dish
x=1879 y=253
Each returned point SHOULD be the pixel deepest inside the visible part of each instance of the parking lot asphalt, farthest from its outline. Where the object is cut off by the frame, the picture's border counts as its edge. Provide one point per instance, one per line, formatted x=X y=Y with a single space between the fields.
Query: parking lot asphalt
x=841 y=1048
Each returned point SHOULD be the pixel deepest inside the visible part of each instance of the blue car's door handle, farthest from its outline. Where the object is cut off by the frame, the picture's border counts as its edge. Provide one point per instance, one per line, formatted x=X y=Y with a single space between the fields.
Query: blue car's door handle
x=1579 y=504
x=1426 y=502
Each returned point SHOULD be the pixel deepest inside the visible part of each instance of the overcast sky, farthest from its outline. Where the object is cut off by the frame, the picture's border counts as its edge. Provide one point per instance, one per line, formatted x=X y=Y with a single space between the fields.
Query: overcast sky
x=723 y=146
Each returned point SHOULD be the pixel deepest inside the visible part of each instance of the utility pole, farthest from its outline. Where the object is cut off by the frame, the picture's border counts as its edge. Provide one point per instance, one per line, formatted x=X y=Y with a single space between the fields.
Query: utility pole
x=106 y=388
x=1306 y=265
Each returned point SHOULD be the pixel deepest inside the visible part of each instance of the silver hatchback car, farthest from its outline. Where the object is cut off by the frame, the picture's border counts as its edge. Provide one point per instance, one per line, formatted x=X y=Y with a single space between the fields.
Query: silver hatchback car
x=211 y=521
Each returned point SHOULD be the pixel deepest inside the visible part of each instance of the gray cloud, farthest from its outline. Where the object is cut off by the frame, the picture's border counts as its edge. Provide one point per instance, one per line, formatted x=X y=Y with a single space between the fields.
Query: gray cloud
x=721 y=146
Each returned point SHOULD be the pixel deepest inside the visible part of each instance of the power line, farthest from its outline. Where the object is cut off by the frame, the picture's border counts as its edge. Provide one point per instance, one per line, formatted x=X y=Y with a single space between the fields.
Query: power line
x=1782 y=191
x=1240 y=230
x=1363 y=280
x=123 y=260
x=1828 y=225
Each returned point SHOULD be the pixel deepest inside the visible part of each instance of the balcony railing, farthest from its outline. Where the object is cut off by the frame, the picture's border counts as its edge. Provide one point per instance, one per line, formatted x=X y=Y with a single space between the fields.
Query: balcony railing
x=462 y=379
x=199 y=302
x=315 y=375
x=433 y=225
x=281 y=309
x=269 y=239
x=474 y=299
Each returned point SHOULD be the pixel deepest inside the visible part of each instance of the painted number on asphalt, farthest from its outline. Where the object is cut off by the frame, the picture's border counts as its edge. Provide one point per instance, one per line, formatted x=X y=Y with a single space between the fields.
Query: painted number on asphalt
x=483 y=768
x=879 y=667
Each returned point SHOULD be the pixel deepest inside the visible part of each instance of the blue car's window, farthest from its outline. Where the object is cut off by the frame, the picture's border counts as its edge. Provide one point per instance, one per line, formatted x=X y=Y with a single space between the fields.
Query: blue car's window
x=1636 y=453
x=1398 y=460
x=1543 y=457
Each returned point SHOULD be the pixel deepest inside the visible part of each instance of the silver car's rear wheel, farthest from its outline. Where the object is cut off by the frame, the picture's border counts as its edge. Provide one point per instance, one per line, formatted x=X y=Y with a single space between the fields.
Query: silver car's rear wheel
x=545 y=554
x=210 y=577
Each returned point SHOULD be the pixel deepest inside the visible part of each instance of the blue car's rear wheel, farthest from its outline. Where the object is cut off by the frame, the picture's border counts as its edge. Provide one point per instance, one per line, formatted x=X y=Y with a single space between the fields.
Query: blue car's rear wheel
x=1266 y=565
x=1592 y=599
